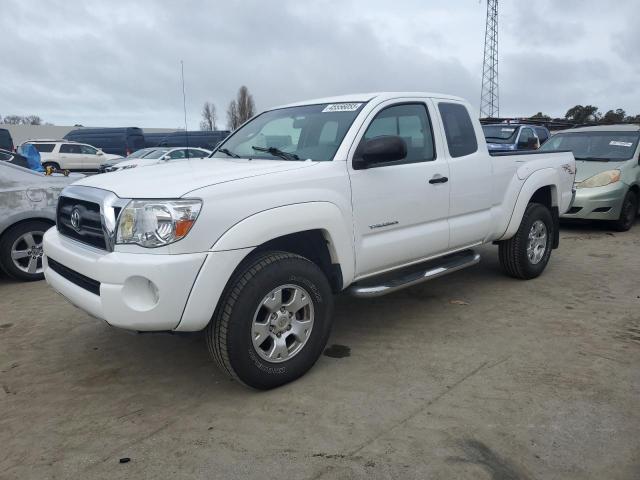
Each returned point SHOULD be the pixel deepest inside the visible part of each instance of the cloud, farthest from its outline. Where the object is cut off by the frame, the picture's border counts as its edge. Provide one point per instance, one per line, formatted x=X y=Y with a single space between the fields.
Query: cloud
x=118 y=63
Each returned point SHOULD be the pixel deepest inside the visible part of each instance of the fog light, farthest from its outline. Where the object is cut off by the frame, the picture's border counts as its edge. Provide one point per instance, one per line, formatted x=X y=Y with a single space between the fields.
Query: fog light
x=140 y=293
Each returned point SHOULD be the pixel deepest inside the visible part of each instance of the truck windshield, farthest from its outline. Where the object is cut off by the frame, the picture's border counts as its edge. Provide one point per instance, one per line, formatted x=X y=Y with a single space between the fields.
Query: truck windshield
x=295 y=133
x=596 y=146
x=499 y=133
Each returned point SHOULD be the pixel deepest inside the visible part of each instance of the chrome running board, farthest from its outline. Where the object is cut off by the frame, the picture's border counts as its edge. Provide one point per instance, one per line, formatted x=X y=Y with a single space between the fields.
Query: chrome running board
x=413 y=275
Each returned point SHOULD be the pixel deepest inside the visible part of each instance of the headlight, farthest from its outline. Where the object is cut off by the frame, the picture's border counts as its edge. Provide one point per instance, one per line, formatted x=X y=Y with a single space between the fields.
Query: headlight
x=155 y=223
x=600 y=180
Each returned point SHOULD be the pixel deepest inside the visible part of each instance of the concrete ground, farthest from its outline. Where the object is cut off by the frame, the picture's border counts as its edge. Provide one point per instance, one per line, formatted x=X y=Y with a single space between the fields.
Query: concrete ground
x=471 y=376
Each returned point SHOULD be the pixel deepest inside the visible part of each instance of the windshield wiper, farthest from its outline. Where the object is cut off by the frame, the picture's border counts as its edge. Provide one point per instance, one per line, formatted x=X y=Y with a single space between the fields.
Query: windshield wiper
x=226 y=151
x=595 y=159
x=276 y=152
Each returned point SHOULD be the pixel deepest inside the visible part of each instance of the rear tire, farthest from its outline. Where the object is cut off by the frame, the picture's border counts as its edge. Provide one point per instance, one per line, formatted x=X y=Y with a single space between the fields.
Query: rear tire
x=273 y=320
x=21 y=250
x=628 y=212
x=53 y=165
x=527 y=253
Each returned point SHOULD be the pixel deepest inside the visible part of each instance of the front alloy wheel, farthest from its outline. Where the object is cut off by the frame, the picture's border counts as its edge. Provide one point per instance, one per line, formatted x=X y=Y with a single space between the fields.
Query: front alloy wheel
x=282 y=323
x=272 y=321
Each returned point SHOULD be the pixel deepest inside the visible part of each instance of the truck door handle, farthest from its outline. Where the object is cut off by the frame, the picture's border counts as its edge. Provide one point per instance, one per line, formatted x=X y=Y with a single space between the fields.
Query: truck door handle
x=439 y=180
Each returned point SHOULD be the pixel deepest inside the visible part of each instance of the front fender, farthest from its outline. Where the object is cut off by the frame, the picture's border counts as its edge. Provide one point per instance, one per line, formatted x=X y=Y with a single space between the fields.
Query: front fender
x=276 y=222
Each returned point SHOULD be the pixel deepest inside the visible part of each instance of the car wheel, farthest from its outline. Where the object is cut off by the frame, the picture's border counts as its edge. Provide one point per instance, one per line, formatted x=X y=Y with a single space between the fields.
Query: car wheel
x=527 y=253
x=51 y=164
x=628 y=212
x=21 y=250
x=272 y=321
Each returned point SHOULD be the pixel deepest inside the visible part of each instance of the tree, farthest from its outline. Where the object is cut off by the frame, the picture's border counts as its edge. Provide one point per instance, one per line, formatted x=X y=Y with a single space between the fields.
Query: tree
x=13 y=119
x=614 y=117
x=583 y=114
x=32 y=120
x=233 y=120
x=635 y=119
x=540 y=116
x=209 y=117
x=241 y=109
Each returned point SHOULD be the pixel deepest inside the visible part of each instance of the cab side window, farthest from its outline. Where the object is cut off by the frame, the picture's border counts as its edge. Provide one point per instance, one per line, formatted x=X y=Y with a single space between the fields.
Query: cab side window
x=458 y=128
x=526 y=134
x=409 y=122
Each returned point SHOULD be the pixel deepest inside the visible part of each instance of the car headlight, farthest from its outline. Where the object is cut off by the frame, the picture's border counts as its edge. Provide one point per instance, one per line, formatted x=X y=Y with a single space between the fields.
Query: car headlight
x=155 y=223
x=600 y=180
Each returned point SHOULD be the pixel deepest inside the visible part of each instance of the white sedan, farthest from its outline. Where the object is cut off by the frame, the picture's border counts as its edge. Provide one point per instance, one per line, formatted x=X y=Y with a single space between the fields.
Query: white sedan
x=160 y=155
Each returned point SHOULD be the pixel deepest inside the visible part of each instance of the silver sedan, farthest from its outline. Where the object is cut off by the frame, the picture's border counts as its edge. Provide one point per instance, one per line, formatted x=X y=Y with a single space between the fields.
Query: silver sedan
x=28 y=202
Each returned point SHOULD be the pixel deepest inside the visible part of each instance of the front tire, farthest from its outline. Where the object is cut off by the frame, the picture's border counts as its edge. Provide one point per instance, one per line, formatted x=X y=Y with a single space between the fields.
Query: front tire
x=628 y=212
x=273 y=320
x=53 y=165
x=21 y=250
x=527 y=253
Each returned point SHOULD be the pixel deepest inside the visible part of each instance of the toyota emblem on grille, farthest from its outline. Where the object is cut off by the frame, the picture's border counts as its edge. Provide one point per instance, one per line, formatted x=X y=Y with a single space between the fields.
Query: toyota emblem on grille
x=75 y=219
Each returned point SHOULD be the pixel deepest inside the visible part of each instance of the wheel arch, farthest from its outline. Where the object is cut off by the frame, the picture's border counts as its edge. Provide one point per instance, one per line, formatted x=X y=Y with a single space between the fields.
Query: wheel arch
x=541 y=187
x=315 y=230
x=20 y=219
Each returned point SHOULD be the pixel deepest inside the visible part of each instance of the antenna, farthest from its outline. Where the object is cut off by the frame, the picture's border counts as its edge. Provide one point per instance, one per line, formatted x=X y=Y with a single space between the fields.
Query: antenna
x=489 y=102
x=184 y=105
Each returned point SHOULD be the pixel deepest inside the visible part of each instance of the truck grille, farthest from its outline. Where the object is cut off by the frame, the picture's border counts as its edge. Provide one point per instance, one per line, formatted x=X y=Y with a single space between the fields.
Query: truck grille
x=81 y=220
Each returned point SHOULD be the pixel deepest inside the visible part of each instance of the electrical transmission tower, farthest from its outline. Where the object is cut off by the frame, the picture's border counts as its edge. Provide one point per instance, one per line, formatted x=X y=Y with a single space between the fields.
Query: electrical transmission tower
x=489 y=104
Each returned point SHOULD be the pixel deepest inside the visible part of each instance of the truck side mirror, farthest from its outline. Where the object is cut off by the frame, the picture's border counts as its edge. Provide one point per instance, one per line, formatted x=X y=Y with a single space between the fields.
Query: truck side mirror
x=379 y=150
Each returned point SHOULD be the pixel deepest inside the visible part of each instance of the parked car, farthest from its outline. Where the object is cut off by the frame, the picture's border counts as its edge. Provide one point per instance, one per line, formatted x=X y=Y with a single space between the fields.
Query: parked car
x=116 y=141
x=27 y=209
x=159 y=155
x=512 y=137
x=6 y=142
x=364 y=193
x=107 y=166
x=68 y=155
x=13 y=157
x=608 y=176
x=202 y=139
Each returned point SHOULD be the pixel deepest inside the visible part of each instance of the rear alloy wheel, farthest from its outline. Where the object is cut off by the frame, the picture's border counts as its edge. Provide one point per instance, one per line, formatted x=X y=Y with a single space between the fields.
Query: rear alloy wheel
x=21 y=250
x=628 y=212
x=526 y=254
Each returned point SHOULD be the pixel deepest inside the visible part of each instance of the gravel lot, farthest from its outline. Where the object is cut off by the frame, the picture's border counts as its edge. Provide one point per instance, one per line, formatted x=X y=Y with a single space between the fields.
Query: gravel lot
x=471 y=376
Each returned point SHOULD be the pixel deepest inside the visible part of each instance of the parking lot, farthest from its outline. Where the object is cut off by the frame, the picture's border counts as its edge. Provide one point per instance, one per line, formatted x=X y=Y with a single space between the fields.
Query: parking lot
x=474 y=375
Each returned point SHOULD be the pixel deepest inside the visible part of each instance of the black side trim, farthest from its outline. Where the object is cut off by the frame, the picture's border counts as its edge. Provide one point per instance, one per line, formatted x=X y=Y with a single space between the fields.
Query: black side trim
x=80 y=280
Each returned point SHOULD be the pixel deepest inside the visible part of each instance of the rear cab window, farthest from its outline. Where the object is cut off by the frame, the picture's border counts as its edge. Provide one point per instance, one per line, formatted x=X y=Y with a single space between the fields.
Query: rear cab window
x=458 y=129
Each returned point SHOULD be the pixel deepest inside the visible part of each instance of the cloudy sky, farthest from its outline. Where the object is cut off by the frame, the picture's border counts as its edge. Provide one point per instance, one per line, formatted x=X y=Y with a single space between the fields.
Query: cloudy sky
x=117 y=63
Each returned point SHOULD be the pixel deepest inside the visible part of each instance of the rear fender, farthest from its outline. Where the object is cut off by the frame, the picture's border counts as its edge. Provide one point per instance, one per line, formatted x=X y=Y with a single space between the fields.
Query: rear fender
x=539 y=179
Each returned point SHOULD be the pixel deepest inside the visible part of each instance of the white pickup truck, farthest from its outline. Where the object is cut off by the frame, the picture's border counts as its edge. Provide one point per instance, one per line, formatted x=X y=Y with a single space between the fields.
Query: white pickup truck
x=362 y=194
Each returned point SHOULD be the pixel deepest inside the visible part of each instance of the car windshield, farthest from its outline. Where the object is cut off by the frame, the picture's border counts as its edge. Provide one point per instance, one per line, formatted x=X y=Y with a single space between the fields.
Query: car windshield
x=295 y=133
x=596 y=145
x=499 y=133
x=141 y=153
x=155 y=154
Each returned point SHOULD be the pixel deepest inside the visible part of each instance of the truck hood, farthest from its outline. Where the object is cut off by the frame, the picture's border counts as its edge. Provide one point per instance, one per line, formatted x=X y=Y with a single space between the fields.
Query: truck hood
x=179 y=177
x=589 y=168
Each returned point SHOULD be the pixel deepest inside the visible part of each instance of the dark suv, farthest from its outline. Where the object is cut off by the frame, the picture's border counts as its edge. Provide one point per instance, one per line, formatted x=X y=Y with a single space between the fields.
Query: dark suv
x=514 y=136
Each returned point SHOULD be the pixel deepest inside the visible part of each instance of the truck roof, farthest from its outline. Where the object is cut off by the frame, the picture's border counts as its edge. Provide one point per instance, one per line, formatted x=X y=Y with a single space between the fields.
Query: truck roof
x=620 y=127
x=366 y=97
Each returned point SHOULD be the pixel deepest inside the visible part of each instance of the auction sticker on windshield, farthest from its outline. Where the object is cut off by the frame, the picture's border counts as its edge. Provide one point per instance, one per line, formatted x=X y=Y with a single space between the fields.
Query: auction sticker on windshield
x=341 y=107
x=620 y=144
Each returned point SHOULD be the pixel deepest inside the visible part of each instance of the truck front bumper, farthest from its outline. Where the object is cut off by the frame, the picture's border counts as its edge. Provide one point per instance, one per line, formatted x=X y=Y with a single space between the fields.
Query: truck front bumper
x=598 y=203
x=143 y=292
x=139 y=291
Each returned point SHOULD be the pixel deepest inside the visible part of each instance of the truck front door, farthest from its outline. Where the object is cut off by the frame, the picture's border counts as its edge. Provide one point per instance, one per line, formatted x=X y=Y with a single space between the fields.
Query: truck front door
x=400 y=208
